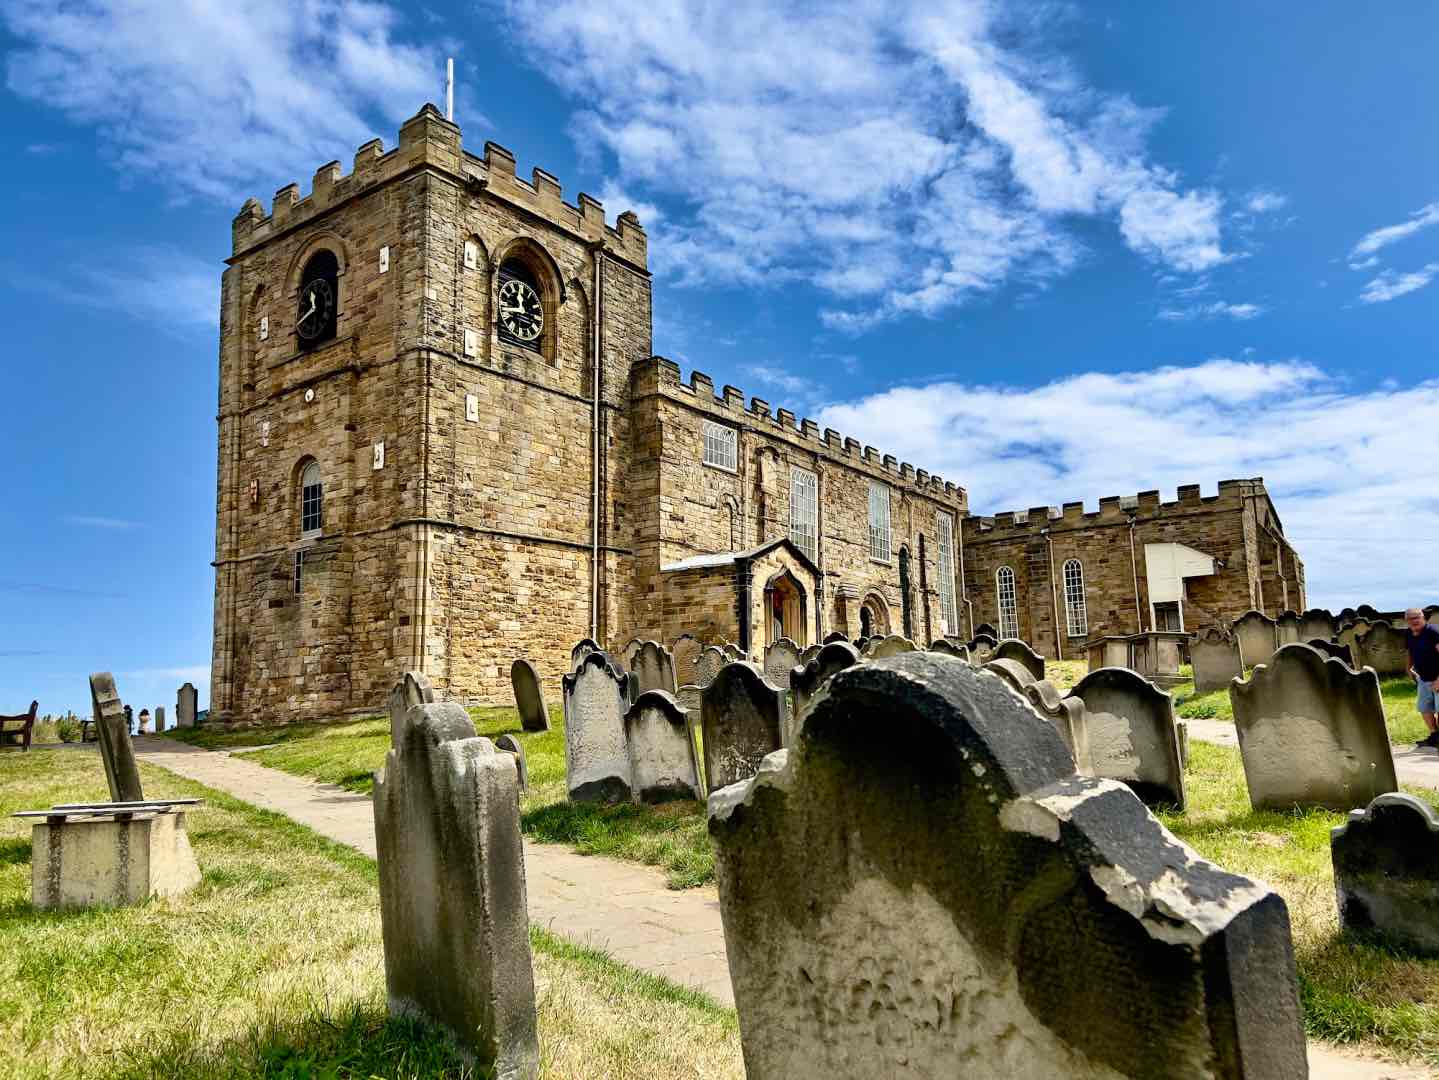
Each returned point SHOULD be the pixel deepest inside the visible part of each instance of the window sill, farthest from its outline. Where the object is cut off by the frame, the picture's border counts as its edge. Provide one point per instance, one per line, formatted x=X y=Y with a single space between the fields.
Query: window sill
x=720 y=468
x=313 y=534
x=881 y=562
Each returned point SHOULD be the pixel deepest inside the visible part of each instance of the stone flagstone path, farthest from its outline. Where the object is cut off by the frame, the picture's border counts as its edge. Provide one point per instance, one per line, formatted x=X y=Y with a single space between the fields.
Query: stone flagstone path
x=621 y=908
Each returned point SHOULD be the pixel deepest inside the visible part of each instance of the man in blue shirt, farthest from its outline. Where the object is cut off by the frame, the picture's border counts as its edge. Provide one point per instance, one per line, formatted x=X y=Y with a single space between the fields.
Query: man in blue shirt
x=1423 y=642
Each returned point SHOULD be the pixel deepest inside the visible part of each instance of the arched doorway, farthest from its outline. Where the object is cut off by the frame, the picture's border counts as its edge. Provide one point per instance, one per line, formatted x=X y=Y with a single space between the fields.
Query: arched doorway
x=874 y=616
x=784 y=609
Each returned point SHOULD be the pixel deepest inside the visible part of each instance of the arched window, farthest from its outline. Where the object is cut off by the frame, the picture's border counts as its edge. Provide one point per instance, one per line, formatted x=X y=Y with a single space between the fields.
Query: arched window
x=315 y=317
x=521 y=316
x=1008 y=606
x=1075 y=609
x=312 y=501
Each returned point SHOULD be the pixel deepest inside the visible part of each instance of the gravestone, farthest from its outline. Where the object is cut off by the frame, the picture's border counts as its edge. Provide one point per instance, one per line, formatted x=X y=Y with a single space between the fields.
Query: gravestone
x=868 y=937
x=740 y=717
x=1370 y=612
x=1286 y=628
x=186 y=705
x=1214 y=656
x=1316 y=623
x=1015 y=649
x=779 y=660
x=1349 y=634
x=413 y=689
x=985 y=629
x=1311 y=733
x=1330 y=648
x=810 y=652
x=529 y=696
x=1254 y=631
x=1386 y=871
x=582 y=648
x=1385 y=649
x=949 y=648
x=653 y=669
x=981 y=648
x=512 y=746
x=805 y=682
x=892 y=645
x=732 y=652
x=833 y=636
x=662 y=754
x=1348 y=615
x=1069 y=718
x=1431 y=614
x=159 y=718
x=688 y=699
x=1132 y=734
x=629 y=652
x=597 y=763
x=129 y=719
x=1011 y=671
x=686 y=653
x=113 y=731
x=452 y=887
x=711 y=659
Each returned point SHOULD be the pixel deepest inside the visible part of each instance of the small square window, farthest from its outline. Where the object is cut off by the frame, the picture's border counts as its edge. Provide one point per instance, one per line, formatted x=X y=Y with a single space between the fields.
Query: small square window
x=721 y=446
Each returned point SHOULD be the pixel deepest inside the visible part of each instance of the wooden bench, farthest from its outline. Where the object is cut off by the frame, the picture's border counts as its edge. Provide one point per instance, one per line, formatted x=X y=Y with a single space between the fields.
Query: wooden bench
x=16 y=730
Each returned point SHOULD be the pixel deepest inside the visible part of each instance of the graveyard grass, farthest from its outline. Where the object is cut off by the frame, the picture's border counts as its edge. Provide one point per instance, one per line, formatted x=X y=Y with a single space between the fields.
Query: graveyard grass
x=273 y=966
x=1405 y=725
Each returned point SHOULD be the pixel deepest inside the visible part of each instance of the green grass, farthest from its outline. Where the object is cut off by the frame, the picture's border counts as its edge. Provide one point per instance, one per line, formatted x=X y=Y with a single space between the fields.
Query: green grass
x=273 y=967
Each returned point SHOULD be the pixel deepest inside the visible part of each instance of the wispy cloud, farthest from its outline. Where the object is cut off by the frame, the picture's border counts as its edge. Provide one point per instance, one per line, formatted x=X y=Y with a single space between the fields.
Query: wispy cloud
x=91 y=522
x=1378 y=239
x=1349 y=505
x=1265 y=202
x=905 y=157
x=1219 y=309
x=1391 y=284
x=46 y=589
x=41 y=149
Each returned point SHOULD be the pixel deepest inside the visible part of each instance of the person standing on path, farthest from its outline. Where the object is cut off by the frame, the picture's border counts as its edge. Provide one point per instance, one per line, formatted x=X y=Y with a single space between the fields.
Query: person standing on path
x=1423 y=642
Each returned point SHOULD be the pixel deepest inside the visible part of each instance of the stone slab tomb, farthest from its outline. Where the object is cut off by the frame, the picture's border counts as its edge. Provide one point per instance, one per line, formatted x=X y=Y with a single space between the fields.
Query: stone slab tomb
x=661 y=750
x=452 y=887
x=741 y=720
x=1132 y=734
x=653 y=669
x=1316 y=623
x=110 y=856
x=1386 y=871
x=1019 y=651
x=597 y=762
x=529 y=696
x=1385 y=649
x=1311 y=733
x=950 y=900
x=512 y=746
x=1254 y=631
x=1214 y=655
x=113 y=731
x=186 y=705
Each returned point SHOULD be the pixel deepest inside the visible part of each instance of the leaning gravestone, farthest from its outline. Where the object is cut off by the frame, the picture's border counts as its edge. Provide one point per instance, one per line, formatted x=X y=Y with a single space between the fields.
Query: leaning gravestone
x=1386 y=871
x=951 y=900
x=628 y=653
x=412 y=689
x=1214 y=655
x=1385 y=648
x=597 y=763
x=186 y=705
x=529 y=696
x=740 y=716
x=1311 y=733
x=892 y=645
x=582 y=648
x=1329 y=648
x=1069 y=718
x=662 y=754
x=1017 y=650
x=512 y=746
x=686 y=653
x=805 y=682
x=452 y=887
x=1316 y=623
x=653 y=669
x=1132 y=734
x=116 y=752
x=1254 y=631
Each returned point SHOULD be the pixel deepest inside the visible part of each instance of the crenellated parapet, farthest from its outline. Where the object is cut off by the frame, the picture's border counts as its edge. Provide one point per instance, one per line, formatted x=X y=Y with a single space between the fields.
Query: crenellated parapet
x=1113 y=509
x=429 y=140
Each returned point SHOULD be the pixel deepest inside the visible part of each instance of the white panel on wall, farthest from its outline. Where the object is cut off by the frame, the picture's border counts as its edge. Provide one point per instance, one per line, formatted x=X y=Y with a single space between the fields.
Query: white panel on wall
x=472 y=254
x=379 y=455
x=472 y=408
x=385 y=259
x=472 y=342
x=264 y=327
x=264 y=433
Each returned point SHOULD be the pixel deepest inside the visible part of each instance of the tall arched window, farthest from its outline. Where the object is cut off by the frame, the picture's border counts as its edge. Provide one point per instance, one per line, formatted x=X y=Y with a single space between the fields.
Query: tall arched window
x=1075 y=609
x=312 y=501
x=1008 y=605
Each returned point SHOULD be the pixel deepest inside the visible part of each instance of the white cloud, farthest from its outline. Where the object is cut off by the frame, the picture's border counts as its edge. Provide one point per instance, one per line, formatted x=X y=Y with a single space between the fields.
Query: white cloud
x=91 y=522
x=904 y=157
x=1217 y=309
x=224 y=101
x=1372 y=242
x=1265 y=202
x=1334 y=460
x=1390 y=284
x=158 y=286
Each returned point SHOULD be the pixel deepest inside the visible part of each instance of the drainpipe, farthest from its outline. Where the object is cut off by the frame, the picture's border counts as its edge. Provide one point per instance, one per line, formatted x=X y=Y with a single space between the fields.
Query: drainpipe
x=1053 y=596
x=1134 y=566
x=963 y=581
x=599 y=255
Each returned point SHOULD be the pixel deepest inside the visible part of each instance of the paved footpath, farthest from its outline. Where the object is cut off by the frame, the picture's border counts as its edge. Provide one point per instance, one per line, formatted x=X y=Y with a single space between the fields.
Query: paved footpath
x=622 y=908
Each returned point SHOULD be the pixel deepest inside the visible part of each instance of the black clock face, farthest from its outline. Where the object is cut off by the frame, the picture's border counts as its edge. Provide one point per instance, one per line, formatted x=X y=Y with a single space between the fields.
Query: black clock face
x=520 y=314
x=317 y=307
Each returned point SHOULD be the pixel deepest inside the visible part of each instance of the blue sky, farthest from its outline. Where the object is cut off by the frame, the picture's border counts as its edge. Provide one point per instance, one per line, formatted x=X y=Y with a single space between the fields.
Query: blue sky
x=1051 y=252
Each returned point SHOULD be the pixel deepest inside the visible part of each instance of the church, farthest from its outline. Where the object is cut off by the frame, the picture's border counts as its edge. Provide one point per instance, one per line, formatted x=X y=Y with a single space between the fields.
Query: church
x=445 y=442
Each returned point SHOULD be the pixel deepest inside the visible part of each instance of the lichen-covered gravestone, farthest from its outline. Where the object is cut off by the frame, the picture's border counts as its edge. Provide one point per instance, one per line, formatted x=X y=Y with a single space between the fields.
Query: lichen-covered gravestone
x=892 y=645
x=707 y=666
x=1316 y=623
x=780 y=659
x=1214 y=655
x=529 y=696
x=662 y=754
x=1311 y=732
x=1070 y=719
x=1019 y=651
x=951 y=900
x=1385 y=649
x=1132 y=734
x=597 y=762
x=653 y=668
x=113 y=731
x=686 y=653
x=1386 y=871
x=740 y=716
x=805 y=683
x=1330 y=648
x=1254 y=631
x=186 y=705
x=452 y=887
x=582 y=648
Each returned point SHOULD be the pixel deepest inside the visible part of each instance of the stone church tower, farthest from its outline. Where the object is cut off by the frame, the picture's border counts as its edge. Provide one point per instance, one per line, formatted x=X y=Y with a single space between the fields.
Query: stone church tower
x=424 y=367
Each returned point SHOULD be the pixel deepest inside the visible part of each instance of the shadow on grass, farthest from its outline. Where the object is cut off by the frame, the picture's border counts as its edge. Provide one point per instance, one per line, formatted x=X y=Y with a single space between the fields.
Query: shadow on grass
x=14 y=852
x=1357 y=987
x=670 y=835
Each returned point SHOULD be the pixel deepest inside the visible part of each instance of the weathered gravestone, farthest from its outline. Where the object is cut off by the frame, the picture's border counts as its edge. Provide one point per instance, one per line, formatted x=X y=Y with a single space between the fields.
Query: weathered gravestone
x=1349 y=634
x=1286 y=628
x=686 y=653
x=662 y=753
x=1370 y=612
x=951 y=900
x=810 y=652
x=711 y=659
x=804 y=682
x=159 y=718
x=597 y=762
x=629 y=652
x=833 y=636
x=1214 y=655
x=1132 y=734
x=780 y=659
x=981 y=648
x=582 y=649
x=1431 y=614
x=1011 y=671
x=529 y=696
x=1070 y=719
x=1348 y=615
x=1019 y=651
x=1385 y=649
x=732 y=652
x=1254 y=631
x=653 y=669
x=985 y=629
x=740 y=717
x=1330 y=648
x=1386 y=871
x=892 y=645
x=186 y=705
x=116 y=752
x=452 y=887
x=413 y=689
x=949 y=648
x=1316 y=623
x=1311 y=733
x=512 y=746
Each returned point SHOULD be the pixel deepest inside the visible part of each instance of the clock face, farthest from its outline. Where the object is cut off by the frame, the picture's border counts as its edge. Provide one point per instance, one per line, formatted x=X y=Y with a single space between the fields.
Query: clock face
x=520 y=314
x=317 y=305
